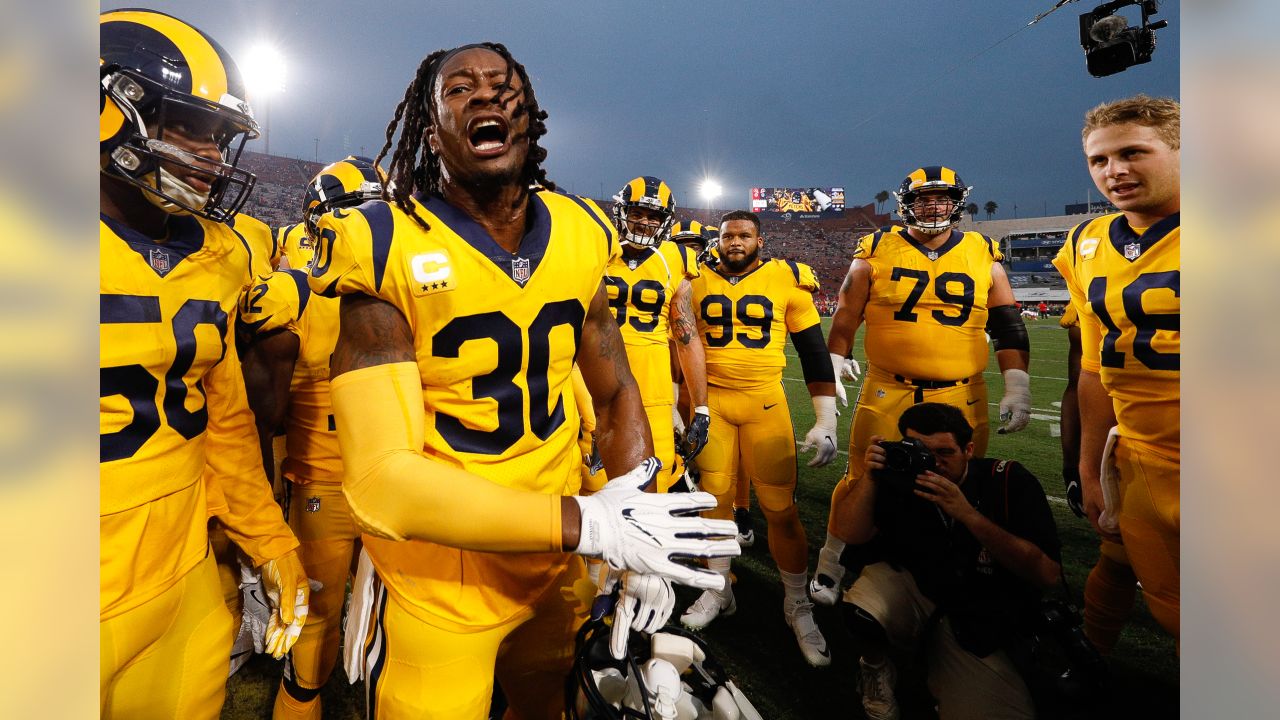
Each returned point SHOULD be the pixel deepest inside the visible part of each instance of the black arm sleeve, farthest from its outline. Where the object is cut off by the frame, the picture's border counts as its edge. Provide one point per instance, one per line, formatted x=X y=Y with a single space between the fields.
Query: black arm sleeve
x=1005 y=326
x=815 y=362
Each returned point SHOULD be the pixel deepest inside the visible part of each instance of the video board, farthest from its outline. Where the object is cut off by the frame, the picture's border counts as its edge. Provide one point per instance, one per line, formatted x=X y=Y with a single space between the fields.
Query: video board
x=802 y=203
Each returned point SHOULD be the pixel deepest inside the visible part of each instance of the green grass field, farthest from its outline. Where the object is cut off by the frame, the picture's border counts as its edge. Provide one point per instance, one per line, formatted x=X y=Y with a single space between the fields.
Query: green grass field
x=759 y=649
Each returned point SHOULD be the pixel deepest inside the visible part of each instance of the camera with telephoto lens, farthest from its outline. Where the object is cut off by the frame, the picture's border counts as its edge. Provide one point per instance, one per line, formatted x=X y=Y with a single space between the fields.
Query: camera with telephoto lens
x=1069 y=660
x=903 y=461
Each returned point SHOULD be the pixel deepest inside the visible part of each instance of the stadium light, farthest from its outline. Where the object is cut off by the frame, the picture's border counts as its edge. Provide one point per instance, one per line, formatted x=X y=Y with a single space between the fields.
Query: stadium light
x=264 y=74
x=710 y=190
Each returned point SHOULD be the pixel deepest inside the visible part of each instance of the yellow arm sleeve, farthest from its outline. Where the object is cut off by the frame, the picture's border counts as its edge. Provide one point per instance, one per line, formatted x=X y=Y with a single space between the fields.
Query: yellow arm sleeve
x=396 y=492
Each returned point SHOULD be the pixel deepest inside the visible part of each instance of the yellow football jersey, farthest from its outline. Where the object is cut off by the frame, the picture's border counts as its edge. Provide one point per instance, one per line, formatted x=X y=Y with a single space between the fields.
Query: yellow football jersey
x=1126 y=286
x=275 y=302
x=926 y=315
x=641 y=289
x=495 y=337
x=311 y=438
x=170 y=390
x=261 y=240
x=744 y=320
x=296 y=246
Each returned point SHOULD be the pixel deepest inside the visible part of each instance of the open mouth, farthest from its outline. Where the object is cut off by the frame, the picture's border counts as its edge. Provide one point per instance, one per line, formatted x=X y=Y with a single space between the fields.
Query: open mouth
x=1124 y=188
x=488 y=135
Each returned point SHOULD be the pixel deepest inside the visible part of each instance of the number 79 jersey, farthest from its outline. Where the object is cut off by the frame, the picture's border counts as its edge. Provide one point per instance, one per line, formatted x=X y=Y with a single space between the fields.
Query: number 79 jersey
x=1126 y=288
x=926 y=315
x=744 y=320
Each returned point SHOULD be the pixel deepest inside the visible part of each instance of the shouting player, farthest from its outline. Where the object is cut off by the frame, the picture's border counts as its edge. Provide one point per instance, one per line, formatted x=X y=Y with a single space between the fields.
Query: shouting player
x=466 y=297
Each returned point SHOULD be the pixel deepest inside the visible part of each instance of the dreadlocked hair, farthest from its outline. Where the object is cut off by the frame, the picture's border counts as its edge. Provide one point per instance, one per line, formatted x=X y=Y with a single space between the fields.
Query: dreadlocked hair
x=414 y=168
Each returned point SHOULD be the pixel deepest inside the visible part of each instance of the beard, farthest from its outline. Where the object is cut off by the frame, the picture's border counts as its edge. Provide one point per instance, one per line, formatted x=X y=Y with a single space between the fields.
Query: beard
x=737 y=266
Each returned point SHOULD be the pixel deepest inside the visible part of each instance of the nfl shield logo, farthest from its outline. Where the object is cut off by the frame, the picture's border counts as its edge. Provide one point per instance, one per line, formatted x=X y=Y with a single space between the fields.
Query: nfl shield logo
x=313 y=504
x=632 y=264
x=1132 y=251
x=933 y=254
x=520 y=270
x=159 y=260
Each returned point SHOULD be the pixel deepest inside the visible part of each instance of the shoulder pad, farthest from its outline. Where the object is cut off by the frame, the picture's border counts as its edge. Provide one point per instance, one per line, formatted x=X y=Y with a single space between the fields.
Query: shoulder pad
x=993 y=248
x=866 y=245
x=275 y=301
x=352 y=250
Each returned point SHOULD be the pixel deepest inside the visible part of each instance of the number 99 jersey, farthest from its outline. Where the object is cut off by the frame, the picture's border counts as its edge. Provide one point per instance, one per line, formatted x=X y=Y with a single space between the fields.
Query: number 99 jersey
x=495 y=335
x=927 y=311
x=1126 y=288
x=744 y=320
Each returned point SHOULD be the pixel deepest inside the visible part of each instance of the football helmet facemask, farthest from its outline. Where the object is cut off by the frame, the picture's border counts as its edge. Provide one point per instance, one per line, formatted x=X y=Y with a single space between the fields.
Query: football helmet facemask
x=667 y=674
x=648 y=193
x=351 y=181
x=159 y=73
x=696 y=236
x=930 y=180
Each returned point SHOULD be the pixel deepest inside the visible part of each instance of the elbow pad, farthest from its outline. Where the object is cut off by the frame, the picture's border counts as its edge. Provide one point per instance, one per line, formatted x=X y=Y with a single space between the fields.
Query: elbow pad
x=1005 y=326
x=815 y=361
x=397 y=492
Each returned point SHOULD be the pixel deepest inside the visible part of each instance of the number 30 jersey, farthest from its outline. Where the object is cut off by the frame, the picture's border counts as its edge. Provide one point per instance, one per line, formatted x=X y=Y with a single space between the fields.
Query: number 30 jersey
x=926 y=315
x=495 y=335
x=172 y=409
x=640 y=290
x=744 y=320
x=1126 y=286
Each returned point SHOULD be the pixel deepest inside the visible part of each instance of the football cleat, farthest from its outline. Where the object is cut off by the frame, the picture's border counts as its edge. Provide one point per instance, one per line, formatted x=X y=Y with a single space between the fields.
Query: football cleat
x=709 y=605
x=746 y=533
x=158 y=74
x=644 y=211
x=931 y=180
x=813 y=646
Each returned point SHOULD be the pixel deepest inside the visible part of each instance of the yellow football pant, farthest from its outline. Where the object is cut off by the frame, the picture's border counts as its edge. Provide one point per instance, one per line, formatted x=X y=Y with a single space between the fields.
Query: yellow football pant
x=880 y=403
x=416 y=670
x=752 y=440
x=664 y=444
x=1108 y=597
x=169 y=657
x=327 y=536
x=1150 y=517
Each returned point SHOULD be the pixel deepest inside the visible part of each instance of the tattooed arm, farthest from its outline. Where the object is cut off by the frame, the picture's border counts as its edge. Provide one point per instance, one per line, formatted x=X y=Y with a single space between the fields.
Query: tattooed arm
x=622 y=429
x=689 y=349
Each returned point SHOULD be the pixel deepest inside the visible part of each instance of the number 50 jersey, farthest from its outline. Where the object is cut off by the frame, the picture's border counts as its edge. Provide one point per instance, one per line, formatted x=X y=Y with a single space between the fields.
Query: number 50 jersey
x=495 y=335
x=927 y=312
x=1126 y=288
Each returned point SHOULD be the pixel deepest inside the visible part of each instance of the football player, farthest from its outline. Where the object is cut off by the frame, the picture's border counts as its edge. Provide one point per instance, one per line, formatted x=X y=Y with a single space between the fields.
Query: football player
x=316 y=508
x=1124 y=274
x=649 y=293
x=927 y=293
x=747 y=306
x=466 y=296
x=177 y=438
x=1111 y=588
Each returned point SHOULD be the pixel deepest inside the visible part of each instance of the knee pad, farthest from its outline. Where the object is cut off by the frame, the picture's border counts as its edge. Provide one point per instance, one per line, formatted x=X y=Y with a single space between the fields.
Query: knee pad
x=776 y=500
x=864 y=628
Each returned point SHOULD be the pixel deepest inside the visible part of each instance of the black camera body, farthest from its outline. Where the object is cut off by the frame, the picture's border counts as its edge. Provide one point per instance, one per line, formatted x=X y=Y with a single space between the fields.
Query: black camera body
x=1110 y=44
x=903 y=461
x=1078 y=671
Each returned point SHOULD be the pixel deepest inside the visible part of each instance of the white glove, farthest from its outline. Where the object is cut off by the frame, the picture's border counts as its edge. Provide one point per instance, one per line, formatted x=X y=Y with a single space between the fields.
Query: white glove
x=644 y=605
x=822 y=436
x=837 y=367
x=851 y=370
x=635 y=530
x=1015 y=406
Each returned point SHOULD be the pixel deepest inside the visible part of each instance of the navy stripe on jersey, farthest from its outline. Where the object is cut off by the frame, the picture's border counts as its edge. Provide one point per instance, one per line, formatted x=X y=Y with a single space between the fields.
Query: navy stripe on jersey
x=1122 y=234
x=377 y=215
x=603 y=228
x=304 y=292
x=952 y=241
x=875 y=240
x=128 y=309
x=795 y=269
x=1075 y=240
x=533 y=246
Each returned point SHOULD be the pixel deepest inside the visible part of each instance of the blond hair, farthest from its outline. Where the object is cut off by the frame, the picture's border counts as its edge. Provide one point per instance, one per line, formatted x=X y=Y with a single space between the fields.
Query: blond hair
x=1162 y=114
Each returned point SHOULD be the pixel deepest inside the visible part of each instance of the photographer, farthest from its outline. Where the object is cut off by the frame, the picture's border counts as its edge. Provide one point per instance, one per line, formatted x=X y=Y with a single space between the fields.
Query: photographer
x=961 y=550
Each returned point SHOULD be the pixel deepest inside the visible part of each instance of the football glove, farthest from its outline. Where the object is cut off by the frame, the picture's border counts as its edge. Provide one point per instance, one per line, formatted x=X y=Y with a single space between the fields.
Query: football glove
x=822 y=437
x=635 y=530
x=851 y=370
x=695 y=437
x=288 y=592
x=644 y=605
x=837 y=367
x=1015 y=406
x=1075 y=494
